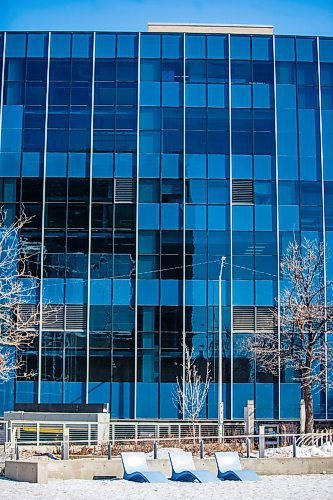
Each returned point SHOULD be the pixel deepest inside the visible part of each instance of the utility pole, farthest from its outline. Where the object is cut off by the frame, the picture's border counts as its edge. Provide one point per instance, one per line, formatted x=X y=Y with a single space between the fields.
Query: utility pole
x=220 y=399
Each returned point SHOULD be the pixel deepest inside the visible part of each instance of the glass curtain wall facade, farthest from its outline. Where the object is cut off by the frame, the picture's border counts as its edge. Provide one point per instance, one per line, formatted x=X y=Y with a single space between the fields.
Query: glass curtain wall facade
x=143 y=158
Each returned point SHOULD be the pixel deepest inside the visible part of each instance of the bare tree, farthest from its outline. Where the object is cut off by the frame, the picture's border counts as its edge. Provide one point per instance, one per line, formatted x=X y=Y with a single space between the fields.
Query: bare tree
x=306 y=321
x=192 y=390
x=18 y=324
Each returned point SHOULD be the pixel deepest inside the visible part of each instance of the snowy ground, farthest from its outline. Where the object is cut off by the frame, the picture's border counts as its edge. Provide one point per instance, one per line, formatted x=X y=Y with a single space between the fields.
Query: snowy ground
x=272 y=487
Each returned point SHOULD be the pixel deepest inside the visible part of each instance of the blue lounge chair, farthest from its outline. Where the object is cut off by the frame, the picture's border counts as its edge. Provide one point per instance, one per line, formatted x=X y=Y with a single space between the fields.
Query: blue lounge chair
x=229 y=468
x=183 y=469
x=136 y=469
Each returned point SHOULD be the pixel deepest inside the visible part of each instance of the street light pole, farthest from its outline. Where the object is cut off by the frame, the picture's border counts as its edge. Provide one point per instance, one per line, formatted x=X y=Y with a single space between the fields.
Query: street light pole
x=220 y=399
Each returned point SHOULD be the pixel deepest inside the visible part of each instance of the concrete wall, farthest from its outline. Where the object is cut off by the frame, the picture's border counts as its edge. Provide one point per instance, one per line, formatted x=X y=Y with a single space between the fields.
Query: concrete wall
x=87 y=468
x=30 y=472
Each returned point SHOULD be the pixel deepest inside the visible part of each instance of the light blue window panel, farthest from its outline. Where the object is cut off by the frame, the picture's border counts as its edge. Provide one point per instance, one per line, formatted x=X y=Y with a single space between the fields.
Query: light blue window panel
x=308 y=132
x=288 y=168
x=124 y=165
x=150 y=118
x=195 y=216
x=285 y=48
x=102 y=165
x=218 y=166
x=31 y=165
x=170 y=166
x=150 y=45
x=217 y=95
x=127 y=45
x=195 y=166
x=289 y=218
x=262 y=48
x=149 y=165
x=10 y=164
x=149 y=215
x=263 y=217
x=262 y=95
x=77 y=165
x=81 y=45
x=171 y=216
x=56 y=164
x=171 y=292
x=195 y=46
x=241 y=96
x=12 y=116
x=150 y=94
x=76 y=291
x=240 y=47
x=11 y=140
x=309 y=168
x=29 y=291
x=263 y=167
x=265 y=292
x=213 y=292
x=53 y=291
x=60 y=45
x=285 y=97
x=37 y=45
x=195 y=94
x=100 y=291
x=148 y=292
x=326 y=50
x=243 y=292
x=306 y=49
x=123 y=293
x=172 y=46
x=15 y=45
x=217 y=217
x=242 y=167
x=150 y=142
x=242 y=218
x=105 y=45
x=195 y=293
x=171 y=94
x=216 y=47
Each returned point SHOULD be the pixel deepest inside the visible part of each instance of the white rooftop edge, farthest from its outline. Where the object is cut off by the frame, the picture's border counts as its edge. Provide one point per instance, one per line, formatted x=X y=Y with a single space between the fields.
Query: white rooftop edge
x=245 y=29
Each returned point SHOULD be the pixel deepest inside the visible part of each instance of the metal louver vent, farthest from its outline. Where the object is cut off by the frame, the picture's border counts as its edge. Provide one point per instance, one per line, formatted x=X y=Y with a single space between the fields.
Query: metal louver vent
x=243 y=319
x=265 y=319
x=125 y=191
x=76 y=317
x=27 y=316
x=53 y=317
x=242 y=191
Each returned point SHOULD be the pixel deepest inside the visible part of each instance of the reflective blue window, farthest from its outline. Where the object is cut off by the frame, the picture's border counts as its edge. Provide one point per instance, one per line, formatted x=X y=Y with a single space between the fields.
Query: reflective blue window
x=195 y=166
x=285 y=48
x=326 y=50
x=15 y=45
x=218 y=166
x=148 y=216
x=150 y=45
x=289 y=218
x=105 y=45
x=148 y=292
x=127 y=45
x=82 y=45
x=195 y=217
x=242 y=218
x=241 y=96
x=149 y=165
x=262 y=95
x=306 y=49
x=242 y=167
x=172 y=46
x=217 y=216
x=195 y=94
x=171 y=216
x=171 y=94
x=150 y=94
x=37 y=45
x=240 y=47
x=262 y=48
x=195 y=46
x=243 y=293
x=217 y=46
x=60 y=45
x=170 y=165
x=217 y=95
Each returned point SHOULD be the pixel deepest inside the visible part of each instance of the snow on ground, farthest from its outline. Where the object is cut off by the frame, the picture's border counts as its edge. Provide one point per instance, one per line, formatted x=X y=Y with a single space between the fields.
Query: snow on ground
x=326 y=450
x=272 y=487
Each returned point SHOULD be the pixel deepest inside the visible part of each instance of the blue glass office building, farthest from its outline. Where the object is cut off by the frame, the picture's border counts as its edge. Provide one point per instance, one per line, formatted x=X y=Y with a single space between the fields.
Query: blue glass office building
x=145 y=157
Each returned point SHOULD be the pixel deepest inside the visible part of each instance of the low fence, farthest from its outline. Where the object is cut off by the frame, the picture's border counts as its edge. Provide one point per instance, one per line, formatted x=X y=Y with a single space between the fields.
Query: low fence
x=111 y=438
